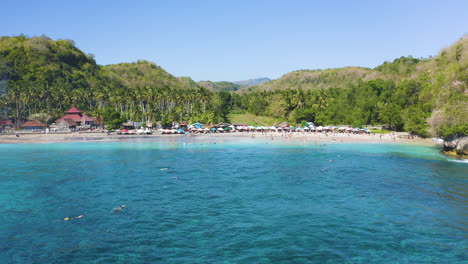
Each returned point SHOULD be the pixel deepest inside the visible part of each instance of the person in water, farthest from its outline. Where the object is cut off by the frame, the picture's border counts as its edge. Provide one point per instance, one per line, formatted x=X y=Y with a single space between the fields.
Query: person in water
x=119 y=208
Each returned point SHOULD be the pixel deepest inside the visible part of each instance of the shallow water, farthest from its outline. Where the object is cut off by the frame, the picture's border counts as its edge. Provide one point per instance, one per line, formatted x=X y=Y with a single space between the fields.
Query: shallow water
x=239 y=201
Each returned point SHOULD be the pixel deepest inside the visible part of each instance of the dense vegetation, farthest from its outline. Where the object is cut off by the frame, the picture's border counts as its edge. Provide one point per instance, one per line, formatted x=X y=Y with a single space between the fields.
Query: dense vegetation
x=40 y=77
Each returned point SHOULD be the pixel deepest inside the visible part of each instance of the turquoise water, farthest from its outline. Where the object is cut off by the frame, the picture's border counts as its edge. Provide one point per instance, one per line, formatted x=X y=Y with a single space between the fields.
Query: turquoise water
x=233 y=202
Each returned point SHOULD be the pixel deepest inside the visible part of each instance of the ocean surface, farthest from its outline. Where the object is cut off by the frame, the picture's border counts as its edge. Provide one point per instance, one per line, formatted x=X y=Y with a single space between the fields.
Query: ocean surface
x=192 y=200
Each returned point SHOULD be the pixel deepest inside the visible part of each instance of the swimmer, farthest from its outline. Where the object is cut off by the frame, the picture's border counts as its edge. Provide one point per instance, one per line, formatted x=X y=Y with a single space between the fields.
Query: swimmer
x=66 y=218
x=78 y=217
x=164 y=168
x=176 y=178
x=119 y=208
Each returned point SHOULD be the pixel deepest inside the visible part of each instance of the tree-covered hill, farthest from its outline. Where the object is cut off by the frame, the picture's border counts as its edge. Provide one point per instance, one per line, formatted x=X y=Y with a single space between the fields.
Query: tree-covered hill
x=220 y=86
x=142 y=74
x=423 y=96
x=40 y=75
x=188 y=83
x=317 y=79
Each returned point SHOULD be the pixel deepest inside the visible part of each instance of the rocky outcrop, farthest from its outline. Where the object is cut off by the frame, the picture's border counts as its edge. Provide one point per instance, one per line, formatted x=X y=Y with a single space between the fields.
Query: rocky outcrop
x=456 y=146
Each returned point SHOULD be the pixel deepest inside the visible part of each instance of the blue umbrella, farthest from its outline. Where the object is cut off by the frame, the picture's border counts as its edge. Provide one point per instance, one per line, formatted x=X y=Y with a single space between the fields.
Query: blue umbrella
x=213 y=129
x=180 y=130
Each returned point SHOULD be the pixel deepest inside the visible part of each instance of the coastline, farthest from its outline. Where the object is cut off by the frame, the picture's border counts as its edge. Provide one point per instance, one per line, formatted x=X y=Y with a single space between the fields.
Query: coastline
x=32 y=138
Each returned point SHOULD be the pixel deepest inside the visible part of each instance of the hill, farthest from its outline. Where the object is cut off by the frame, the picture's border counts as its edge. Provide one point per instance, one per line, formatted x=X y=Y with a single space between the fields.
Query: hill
x=317 y=79
x=142 y=74
x=188 y=83
x=41 y=76
x=220 y=86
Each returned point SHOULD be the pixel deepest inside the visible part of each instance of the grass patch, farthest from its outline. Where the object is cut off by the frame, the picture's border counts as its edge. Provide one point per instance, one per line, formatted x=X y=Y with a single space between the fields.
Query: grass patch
x=380 y=131
x=250 y=120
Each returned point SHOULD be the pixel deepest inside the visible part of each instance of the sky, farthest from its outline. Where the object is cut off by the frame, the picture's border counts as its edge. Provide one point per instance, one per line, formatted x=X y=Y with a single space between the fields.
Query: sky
x=237 y=40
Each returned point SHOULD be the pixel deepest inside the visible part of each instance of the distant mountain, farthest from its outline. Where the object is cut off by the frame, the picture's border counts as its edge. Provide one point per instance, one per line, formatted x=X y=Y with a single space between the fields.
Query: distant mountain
x=251 y=82
x=220 y=86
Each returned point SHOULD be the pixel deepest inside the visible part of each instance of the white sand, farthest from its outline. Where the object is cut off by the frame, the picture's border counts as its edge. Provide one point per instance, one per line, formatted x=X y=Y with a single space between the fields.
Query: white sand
x=307 y=137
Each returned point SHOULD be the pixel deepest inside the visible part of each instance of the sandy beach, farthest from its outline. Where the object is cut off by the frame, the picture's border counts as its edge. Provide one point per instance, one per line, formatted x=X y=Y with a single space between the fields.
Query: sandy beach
x=399 y=138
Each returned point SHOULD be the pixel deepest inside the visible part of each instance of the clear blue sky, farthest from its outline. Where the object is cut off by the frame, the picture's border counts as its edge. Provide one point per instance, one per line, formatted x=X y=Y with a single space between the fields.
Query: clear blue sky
x=236 y=40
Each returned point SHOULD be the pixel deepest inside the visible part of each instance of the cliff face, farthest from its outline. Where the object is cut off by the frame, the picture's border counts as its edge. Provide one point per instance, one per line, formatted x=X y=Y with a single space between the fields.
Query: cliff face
x=457 y=146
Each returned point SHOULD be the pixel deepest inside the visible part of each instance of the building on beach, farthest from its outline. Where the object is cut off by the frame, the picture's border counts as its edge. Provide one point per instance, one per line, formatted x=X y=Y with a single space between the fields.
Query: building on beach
x=74 y=118
x=6 y=123
x=66 y=125
x=33 y=126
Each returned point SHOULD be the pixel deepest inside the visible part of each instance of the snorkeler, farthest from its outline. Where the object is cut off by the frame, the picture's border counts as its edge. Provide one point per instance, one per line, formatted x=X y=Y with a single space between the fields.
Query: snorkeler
x=119 y=208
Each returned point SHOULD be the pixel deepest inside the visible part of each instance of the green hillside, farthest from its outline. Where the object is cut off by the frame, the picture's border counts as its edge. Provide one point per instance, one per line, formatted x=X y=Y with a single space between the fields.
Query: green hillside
x=220 y=86
x=188 y=83
x=423 y=96
x=317 y=79
x=40 y=75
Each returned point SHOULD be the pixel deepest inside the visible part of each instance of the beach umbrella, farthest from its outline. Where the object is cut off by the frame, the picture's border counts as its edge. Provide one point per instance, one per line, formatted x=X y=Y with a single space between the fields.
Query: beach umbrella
x=273 y=128
x=306 y=128
x=220 y=128
x=124 y=130
x=180 y=130
x=199 y=129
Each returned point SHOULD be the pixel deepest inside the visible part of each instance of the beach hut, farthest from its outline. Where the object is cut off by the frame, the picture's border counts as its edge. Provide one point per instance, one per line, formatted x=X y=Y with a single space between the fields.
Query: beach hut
x=33 y=126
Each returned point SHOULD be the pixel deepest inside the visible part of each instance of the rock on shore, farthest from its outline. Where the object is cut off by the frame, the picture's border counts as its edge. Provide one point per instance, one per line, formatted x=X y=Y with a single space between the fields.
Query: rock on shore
x=456 y=146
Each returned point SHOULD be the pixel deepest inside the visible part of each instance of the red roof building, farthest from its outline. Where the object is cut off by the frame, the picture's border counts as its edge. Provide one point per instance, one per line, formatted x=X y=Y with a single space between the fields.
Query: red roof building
x=33 y=125
x=77 y=116
x=6 y=122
